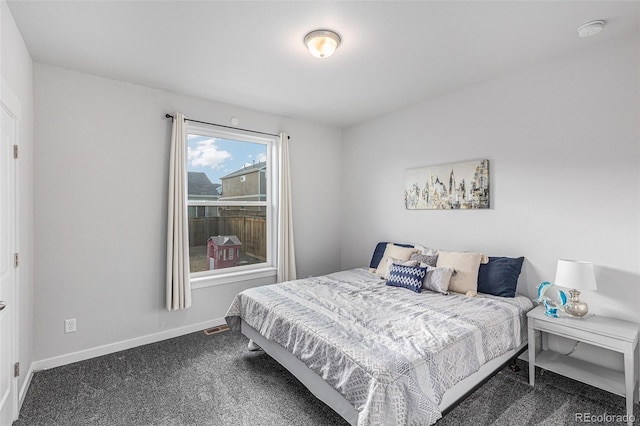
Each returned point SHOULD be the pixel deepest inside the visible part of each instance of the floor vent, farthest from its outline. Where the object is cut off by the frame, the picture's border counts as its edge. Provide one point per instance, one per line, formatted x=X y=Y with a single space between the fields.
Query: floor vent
x=217 y=329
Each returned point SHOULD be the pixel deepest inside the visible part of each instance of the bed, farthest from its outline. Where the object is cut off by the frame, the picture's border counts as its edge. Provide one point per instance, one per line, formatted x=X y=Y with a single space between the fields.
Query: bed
x=377 y=354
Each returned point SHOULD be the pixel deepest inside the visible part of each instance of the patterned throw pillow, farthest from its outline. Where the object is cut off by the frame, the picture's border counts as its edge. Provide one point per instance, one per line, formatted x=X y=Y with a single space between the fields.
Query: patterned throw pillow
x=427 y=259
x=410 y=277
x=426 y=250
x=391 y=261
x=437 y=279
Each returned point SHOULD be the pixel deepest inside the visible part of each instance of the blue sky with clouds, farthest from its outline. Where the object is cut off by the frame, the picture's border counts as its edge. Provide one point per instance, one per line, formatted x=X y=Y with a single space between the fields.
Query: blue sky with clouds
x=218 y=157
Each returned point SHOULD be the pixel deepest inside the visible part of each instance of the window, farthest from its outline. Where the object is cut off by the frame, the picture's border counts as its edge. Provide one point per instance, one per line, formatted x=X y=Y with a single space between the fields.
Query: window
x=230 y=202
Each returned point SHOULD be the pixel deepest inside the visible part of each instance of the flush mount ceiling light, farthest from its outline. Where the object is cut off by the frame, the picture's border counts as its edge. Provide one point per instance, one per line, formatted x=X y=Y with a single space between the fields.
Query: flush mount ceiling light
x=322 y=43
x=590 y=28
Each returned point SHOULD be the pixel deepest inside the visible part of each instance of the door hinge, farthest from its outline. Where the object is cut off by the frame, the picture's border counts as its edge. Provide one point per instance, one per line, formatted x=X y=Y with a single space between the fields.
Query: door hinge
x=16 y=260
x=16 y=369
x=15 y=152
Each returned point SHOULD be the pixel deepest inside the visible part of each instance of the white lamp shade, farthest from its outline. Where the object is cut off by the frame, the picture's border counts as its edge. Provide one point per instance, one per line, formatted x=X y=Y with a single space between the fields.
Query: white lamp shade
x=575 y=274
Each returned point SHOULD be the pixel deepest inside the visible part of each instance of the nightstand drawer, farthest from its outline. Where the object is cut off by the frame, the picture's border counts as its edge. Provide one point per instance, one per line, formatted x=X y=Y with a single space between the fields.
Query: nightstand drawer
x=585 y=336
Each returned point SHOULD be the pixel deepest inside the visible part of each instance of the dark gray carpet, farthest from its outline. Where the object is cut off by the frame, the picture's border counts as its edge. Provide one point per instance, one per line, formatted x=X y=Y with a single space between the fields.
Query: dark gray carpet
x=214 y=380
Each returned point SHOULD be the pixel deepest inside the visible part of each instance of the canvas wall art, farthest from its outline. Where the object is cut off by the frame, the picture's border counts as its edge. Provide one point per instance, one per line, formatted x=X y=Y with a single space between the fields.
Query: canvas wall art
x=448 y=186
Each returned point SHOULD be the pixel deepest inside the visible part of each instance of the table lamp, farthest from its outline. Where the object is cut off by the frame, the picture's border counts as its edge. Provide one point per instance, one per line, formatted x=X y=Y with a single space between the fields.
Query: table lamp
x=576 y=275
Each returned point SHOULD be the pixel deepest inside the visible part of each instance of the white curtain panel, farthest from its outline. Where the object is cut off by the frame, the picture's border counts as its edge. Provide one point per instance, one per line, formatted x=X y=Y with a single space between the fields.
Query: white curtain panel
x=286 y=251
x=178 y=283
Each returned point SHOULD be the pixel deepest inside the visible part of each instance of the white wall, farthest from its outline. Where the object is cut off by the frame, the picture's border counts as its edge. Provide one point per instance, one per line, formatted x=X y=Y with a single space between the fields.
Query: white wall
x=16 y=69
x=563 y=142
x=100 y=210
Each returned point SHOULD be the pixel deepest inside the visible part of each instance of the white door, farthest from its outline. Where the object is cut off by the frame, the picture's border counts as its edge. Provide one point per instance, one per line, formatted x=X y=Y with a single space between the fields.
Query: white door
x=7 y=267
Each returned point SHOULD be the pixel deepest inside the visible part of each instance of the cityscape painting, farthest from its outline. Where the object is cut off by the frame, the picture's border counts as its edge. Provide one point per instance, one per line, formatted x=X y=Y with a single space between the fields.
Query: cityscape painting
x=448 y=186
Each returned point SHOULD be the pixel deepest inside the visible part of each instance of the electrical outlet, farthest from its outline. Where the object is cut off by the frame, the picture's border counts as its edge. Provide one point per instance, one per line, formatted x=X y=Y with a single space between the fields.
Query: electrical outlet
x=70 y=325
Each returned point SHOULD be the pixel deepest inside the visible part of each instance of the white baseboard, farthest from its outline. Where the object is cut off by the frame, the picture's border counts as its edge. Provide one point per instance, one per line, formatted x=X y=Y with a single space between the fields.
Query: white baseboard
x=122 y=345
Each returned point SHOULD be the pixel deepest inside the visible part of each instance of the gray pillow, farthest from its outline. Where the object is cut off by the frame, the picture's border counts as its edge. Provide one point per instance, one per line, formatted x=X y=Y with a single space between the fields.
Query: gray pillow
x=429 y=260
x=437 y=278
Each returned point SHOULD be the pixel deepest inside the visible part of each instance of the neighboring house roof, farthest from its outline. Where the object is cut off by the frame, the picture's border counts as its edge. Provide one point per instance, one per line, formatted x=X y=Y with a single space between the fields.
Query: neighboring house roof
x=247 y=169
x=199 y=184
x=225 y=240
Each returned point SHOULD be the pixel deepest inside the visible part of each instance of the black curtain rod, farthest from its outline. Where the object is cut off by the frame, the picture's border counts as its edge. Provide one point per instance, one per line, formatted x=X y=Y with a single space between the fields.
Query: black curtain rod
x=222 y=125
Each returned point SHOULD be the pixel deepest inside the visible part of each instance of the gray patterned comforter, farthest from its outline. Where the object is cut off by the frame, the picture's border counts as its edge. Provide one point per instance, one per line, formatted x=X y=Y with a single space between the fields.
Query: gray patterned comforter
x=390 y=352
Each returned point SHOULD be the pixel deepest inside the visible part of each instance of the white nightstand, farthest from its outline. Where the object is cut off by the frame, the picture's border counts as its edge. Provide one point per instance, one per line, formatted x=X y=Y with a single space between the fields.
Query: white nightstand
x=610 y=333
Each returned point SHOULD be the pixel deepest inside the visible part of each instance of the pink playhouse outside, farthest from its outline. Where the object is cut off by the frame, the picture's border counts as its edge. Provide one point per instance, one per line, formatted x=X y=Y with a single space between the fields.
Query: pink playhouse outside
x=223 y=251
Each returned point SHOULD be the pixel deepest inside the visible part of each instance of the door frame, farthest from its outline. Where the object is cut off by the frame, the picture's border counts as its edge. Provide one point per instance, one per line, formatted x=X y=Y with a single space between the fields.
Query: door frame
x=11 y=103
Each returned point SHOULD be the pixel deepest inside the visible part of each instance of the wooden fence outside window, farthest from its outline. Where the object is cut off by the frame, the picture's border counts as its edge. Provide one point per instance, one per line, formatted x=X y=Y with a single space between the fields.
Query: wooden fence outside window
x=250 y=230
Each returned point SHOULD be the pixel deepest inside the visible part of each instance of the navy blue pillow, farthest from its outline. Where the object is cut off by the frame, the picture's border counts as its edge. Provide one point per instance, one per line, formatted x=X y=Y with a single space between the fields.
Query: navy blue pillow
x=500 y=276
x=378 y=253
x=410 y=277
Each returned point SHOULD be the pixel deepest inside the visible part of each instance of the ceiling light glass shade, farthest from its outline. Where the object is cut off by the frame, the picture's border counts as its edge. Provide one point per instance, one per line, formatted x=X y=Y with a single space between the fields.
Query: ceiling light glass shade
x=590 y=28
x=322 y=43
x=575 y=274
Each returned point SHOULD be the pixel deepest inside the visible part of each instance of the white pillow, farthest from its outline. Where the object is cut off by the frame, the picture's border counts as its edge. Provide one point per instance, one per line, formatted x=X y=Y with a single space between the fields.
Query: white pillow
x=396 y=252
x=391 y=261
x=466 y=266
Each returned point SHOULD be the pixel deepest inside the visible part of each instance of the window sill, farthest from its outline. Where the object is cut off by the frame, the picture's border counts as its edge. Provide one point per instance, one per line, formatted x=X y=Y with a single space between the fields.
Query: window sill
x=232 y=277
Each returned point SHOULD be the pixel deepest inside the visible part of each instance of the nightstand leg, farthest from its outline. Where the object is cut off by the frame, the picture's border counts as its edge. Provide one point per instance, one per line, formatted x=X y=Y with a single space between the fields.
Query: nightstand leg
x=532 y=353
x=636 y=376
x=629 y=381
